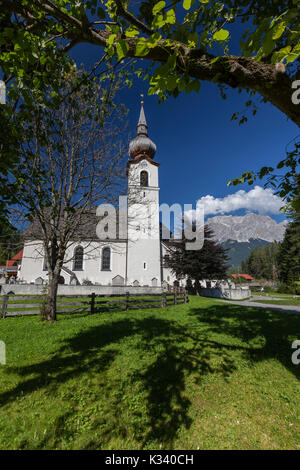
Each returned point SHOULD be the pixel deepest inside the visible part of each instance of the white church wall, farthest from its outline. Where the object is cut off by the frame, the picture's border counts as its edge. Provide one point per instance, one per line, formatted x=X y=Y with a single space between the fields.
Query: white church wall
x=92 y=261
x=33 y=262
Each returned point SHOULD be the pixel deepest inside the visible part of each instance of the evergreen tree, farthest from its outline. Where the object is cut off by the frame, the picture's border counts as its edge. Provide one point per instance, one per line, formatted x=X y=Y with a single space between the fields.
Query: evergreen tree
x=10 y=242
x=262 y=262
x=289 y=253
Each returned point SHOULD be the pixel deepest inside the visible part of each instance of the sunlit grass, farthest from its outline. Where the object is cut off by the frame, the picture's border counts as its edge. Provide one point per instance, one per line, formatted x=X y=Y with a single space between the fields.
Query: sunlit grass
x=203 y=374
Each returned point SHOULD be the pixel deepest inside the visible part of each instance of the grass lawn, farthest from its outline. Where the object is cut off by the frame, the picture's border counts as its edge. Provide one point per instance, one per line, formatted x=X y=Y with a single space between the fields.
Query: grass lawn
x=204 y=375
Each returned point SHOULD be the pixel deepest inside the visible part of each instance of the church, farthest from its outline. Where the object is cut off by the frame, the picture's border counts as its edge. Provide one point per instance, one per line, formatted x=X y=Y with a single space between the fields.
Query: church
x=134 y=260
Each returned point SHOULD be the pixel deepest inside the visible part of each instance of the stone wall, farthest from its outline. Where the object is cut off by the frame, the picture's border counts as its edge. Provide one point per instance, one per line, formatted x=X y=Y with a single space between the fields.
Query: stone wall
x=32 y=289
x=224 y=293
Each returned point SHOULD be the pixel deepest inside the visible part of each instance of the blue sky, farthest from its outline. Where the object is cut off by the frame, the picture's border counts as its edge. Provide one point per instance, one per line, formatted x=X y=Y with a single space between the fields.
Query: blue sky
x=198 y=146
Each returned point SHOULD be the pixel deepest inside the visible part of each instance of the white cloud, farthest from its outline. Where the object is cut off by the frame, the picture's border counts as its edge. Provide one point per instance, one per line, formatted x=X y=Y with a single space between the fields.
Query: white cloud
x=258 y=199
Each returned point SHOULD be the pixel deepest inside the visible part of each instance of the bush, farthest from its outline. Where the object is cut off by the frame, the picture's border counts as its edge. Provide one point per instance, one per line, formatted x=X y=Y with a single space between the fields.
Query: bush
x=268 y=289
x=288 y=288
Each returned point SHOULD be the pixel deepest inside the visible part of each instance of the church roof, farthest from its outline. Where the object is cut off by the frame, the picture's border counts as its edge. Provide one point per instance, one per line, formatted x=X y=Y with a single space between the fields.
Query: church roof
x=86 y=230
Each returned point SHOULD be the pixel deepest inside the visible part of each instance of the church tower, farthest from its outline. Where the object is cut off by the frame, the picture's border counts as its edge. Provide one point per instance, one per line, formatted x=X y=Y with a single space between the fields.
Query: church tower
x=143 y=249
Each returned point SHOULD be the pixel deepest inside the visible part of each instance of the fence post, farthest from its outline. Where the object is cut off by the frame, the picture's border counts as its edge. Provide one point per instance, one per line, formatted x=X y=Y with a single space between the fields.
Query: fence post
x=93 y=303
x=175 y=297
x=127 y=301
x=185 y=296
x=4 y=305
x=164 y=300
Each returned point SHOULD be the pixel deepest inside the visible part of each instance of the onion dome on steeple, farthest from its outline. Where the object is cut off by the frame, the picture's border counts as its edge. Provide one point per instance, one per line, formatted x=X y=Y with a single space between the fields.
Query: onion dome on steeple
x=141 y=144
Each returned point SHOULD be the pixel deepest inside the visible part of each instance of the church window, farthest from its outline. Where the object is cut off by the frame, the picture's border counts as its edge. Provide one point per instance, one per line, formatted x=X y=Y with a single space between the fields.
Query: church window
x=144 y=178
x=78 y=259
x=145 y=265
x=105 y=265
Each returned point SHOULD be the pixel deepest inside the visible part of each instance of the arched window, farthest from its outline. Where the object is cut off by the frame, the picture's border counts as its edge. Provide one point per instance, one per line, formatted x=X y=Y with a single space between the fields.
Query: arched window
x=78 y=259
x=144 y=179
x=105 y=265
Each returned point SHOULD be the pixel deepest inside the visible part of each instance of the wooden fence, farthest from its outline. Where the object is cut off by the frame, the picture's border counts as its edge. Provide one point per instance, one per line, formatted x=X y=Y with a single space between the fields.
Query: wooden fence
x=12 y=305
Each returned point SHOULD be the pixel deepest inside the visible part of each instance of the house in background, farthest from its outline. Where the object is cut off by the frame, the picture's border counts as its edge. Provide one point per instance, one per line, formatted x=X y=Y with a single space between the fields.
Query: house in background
x=247 y=277
x=10 y=272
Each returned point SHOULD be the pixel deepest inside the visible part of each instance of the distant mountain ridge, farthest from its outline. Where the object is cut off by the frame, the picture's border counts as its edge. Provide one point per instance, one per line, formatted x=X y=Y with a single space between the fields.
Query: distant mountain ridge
x=239 y=251
x=246 y=227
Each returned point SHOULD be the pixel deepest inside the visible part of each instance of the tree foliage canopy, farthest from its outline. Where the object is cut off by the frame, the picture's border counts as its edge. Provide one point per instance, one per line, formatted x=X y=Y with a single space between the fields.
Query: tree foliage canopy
x=289 y=254
x=262 y=262
x=184 y=42
x=188 y=40
x=208 y=263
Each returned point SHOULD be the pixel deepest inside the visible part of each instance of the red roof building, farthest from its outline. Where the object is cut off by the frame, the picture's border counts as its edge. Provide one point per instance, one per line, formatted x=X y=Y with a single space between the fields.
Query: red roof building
x=244 y=276
x=15 y=259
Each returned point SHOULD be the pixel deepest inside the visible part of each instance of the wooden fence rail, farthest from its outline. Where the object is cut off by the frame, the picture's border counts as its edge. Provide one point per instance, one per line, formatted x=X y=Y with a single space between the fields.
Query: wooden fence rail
x=12 y=305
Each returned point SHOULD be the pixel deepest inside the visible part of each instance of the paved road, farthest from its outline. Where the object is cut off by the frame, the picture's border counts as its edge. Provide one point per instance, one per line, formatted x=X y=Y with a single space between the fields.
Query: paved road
x=249 y=303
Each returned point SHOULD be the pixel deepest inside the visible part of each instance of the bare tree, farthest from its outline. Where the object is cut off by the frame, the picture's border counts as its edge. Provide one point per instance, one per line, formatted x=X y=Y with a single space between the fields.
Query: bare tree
x=74 y=162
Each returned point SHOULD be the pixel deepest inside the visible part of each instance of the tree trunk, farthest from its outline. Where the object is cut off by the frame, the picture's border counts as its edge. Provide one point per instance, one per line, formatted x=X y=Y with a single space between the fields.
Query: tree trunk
x=51 y=296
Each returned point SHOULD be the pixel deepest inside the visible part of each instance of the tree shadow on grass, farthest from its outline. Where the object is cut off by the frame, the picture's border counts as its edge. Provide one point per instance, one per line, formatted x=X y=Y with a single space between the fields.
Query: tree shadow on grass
x=76 y=356
x=268 y=334
x=169 y=354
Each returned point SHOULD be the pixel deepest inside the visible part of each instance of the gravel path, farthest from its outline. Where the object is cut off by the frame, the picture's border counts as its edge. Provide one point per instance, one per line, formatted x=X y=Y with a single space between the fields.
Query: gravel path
x=249 y=303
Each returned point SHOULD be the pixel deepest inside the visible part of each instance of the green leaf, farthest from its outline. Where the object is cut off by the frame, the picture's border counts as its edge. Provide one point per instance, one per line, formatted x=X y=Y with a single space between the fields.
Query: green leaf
x=122 y=49
x=157 y=7
x=111 y=39
x=278 y=30
x=268 y=44
x=171 y=83
x=170 y=17
x=153 y=40
x=141 y=49
x=131 y=32
x=172 y=61
x=221 y=35
x=187 y=4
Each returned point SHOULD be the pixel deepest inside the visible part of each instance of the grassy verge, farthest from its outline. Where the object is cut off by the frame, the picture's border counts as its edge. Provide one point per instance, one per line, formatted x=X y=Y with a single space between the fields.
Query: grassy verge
x=274 y=294
x=280 y=302
x=205 y=375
